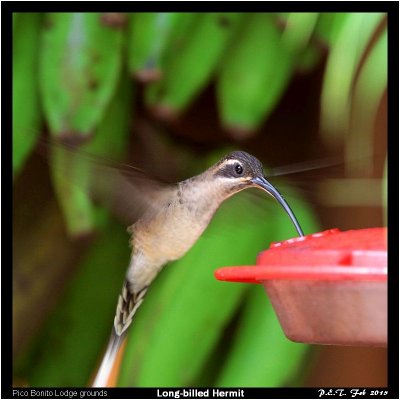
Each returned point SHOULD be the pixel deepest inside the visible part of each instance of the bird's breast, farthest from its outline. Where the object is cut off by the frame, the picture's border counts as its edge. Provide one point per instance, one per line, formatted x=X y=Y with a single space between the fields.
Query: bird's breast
x=170 y=233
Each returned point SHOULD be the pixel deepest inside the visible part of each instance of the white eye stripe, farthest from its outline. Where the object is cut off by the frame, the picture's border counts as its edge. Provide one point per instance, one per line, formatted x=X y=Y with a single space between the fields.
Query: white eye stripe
x=231 y=162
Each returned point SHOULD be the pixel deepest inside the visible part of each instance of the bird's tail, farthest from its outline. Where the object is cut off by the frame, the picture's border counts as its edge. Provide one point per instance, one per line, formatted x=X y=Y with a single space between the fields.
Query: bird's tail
x=104 y=372
x=128 y=304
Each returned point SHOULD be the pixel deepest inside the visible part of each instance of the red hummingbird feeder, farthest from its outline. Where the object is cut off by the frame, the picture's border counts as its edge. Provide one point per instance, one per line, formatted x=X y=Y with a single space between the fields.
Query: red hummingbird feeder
x=327 y=288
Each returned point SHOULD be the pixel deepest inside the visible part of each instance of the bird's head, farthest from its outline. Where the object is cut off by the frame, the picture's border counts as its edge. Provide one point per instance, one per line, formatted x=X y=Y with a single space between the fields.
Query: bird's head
x=239 y=170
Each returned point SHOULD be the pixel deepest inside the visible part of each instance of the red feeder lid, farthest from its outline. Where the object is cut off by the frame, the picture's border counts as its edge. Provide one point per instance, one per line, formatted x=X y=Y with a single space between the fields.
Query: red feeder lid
x=329 y=255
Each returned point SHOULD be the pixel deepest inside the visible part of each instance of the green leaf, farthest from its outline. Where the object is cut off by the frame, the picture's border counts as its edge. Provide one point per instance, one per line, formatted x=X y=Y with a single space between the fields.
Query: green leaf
x=26 y=105
x=261 y=355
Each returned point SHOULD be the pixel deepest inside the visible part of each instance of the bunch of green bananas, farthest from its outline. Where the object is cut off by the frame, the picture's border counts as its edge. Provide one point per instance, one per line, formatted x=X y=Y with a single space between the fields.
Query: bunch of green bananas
x=241 y=52
x=72 y=67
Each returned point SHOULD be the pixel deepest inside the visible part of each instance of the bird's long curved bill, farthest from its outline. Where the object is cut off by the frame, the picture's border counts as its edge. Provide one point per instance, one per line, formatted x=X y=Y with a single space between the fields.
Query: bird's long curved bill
x=265 y=185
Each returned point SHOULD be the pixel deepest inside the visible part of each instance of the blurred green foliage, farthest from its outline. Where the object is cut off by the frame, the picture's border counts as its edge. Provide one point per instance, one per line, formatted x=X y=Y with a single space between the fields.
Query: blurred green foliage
x=81 y=86
x=69 y=345
x=251 y=57
x=80 y=63
x=26 y=124
x=342 y=65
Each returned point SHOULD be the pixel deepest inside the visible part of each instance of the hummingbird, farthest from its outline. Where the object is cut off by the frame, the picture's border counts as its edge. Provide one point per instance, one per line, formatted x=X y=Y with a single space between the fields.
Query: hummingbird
x=170 y=218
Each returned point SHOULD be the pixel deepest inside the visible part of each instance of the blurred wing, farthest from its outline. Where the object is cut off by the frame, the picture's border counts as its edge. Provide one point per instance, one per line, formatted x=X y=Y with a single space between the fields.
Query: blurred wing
x=306 y=166
x=127 y=191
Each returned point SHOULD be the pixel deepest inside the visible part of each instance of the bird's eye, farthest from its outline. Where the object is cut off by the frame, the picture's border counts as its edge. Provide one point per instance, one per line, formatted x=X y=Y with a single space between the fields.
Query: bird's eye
x=238 y=169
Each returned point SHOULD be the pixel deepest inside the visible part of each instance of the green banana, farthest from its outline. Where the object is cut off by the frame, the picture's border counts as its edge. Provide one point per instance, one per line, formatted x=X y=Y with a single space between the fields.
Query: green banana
x=72 y=174
x=190 y=60
x=298 y=30
x=80 y=64
x=329 y=25
x=148 y=35
x=296 y=37
x=25 y=103
x=71 y=182
x=368 y=91
x=254 y=75
x=308 y=58
x=351 y=40
x=112 y=134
